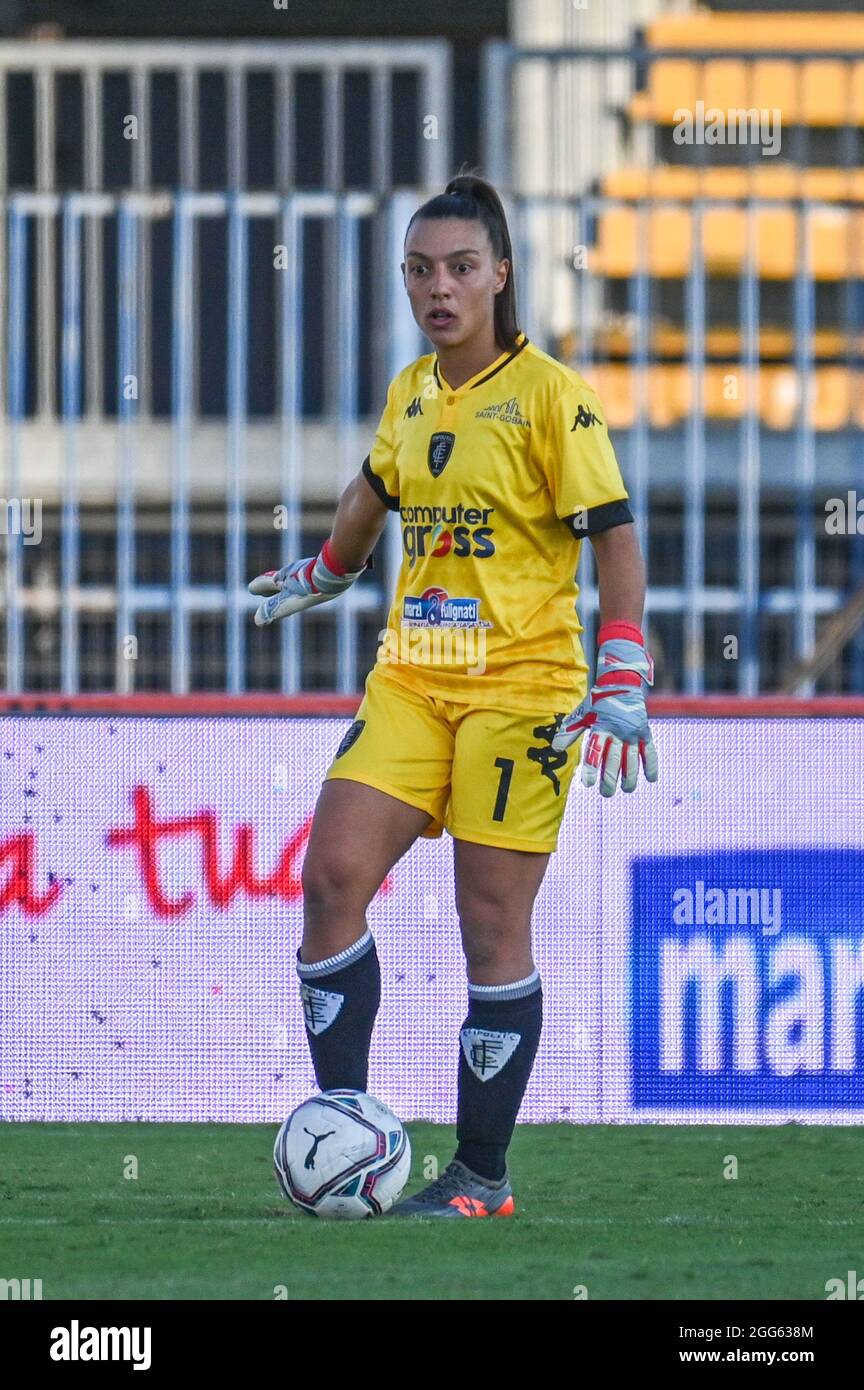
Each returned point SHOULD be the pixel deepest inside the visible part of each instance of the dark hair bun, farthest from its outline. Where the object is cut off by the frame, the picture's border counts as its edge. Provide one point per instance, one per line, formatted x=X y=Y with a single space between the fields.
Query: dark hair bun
x=468 y=185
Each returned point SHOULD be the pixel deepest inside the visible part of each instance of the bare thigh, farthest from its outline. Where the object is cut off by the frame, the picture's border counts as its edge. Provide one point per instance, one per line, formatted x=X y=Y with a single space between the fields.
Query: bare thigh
x=495 y=893
x=358 y=834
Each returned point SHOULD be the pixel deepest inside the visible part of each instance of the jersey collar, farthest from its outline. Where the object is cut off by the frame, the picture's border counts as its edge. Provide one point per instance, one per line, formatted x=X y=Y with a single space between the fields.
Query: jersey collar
x=498 y=365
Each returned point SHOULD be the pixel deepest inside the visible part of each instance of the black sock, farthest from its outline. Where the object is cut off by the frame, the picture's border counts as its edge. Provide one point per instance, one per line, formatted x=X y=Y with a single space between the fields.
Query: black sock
x=340 y=1001
x=500 y=1037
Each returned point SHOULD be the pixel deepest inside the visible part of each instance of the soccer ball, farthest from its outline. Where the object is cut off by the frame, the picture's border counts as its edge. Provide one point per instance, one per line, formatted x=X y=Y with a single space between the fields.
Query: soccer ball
x=342 y=1155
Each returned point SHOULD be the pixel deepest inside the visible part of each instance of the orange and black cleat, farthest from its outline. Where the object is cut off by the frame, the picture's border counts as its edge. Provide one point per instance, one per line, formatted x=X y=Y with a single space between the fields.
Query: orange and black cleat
x=459 y=1192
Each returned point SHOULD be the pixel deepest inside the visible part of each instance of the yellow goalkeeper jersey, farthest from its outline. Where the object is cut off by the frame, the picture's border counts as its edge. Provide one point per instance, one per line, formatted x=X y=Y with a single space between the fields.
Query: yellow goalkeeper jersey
x=496 y=483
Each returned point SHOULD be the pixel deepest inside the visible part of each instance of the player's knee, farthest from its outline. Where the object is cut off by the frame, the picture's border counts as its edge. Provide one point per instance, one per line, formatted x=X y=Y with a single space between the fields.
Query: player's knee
x=484 y=957
x=481 y=955
x=333 y=884
x=493 y=942
x=482 y=906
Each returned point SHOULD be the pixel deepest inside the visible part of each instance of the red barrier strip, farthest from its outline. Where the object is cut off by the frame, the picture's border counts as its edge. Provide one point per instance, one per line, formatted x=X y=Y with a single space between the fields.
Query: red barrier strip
x=661 y=706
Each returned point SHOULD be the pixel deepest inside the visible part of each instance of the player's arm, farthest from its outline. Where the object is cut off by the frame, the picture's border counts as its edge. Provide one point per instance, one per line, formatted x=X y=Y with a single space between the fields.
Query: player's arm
x=359 y=521
x=614 y=714
x=589 y=495
x=620 y=574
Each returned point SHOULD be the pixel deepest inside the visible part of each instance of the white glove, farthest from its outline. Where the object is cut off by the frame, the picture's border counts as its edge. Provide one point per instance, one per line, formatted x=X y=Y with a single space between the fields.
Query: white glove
x=613 y=715
x=300 y=585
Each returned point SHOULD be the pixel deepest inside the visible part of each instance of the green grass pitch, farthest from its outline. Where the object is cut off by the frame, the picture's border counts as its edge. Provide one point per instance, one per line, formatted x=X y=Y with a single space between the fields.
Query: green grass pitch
x=632 y=1212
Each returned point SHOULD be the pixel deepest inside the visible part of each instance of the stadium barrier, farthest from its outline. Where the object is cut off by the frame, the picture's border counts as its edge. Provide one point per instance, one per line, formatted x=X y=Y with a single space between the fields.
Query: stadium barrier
x=700 y=942
x=127 y=456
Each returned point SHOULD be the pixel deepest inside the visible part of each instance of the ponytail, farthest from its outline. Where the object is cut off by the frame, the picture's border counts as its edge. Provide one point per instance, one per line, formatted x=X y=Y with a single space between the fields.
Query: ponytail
x=473 y=198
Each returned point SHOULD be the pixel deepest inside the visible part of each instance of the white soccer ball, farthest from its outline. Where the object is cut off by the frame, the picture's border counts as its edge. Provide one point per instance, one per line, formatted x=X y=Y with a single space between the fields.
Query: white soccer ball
x=342 y=1155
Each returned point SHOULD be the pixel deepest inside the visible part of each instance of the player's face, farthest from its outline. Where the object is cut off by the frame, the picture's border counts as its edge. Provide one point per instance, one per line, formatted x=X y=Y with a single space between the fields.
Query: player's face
x=452 y=278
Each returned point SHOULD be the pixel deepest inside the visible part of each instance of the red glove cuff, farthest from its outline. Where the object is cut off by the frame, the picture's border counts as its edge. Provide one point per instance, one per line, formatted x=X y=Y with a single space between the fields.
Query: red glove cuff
x=620 y=678
x=620 y=629
x=328 y=555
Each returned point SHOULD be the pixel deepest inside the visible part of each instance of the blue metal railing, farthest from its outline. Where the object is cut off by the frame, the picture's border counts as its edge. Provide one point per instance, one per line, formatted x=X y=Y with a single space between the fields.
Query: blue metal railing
x=135 y=437
x=807 y=465
x=532 y=153
x=176 y=446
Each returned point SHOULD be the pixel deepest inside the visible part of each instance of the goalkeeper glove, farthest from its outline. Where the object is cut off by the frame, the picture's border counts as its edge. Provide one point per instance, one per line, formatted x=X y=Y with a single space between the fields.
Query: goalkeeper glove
x=614 y=713
x=300 y=585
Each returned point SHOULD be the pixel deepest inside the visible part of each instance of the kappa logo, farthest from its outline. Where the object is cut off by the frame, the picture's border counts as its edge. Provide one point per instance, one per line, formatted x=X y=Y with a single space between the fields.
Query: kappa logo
x=487 y=1051
x=440 y=449
x=550 y=762
x=506 y=411
x=415 y=408
x=586 y=418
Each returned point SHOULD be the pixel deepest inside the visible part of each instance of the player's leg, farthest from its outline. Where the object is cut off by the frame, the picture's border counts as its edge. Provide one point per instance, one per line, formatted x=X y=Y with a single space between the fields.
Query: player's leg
x=358 y=834
x=495 y=893
x=389 y=783
x=509 y=790
x=509 y=793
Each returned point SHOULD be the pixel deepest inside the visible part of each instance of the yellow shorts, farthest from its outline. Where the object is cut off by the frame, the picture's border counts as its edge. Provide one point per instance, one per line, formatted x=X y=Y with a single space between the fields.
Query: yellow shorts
x=485 y=775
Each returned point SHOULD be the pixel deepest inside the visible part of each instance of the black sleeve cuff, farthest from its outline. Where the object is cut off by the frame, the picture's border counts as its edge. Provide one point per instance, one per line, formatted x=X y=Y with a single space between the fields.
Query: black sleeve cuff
x=378 y=487
x=588 y=521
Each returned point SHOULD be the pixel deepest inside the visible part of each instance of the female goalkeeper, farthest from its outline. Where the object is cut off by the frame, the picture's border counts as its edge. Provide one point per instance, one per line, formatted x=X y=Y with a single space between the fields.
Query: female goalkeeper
x=497 y=461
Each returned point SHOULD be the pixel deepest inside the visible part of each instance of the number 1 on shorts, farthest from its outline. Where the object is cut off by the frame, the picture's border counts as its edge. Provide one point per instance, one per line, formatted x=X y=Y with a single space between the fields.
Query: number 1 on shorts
x=506 y=765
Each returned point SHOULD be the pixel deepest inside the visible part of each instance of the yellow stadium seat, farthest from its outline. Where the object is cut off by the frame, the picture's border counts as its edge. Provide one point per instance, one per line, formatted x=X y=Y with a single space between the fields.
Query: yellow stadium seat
x=777 y=257
x=672 y=84
x=626 y=183
x=836 y=242
x=722 y=82
x=724 y=240
x=725 y=183
x=640 y=107
x=615 y=253
x=764 y=180
x=782 y=33
x=818 y=92
x=833 y=185
x=779 y=397
x=826 y=96
x=775 y=84
x=829 y=244
x=669 y=340
x=835 y=395
x=826 y=395
x=666 y=249
x=833 y=398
